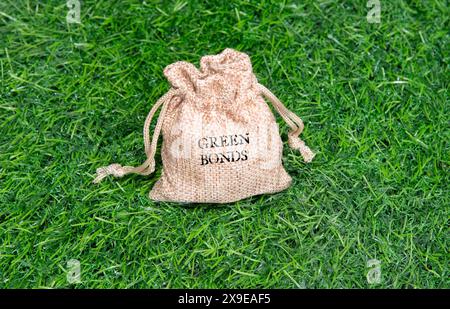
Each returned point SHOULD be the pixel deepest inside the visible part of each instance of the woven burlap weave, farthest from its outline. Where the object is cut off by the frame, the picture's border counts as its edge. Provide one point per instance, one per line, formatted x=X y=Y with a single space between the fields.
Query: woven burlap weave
x=220 y=139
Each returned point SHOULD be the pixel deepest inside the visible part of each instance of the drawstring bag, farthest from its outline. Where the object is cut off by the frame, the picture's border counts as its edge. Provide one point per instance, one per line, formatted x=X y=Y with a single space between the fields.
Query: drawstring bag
x=221 y=142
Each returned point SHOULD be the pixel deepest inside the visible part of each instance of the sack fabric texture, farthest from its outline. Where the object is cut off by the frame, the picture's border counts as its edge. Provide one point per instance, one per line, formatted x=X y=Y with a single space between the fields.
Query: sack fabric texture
x=221 y=142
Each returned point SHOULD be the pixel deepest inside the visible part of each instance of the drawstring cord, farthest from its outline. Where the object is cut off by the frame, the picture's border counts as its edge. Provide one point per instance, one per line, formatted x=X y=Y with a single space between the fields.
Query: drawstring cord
x=148 y=166
x=294 y=122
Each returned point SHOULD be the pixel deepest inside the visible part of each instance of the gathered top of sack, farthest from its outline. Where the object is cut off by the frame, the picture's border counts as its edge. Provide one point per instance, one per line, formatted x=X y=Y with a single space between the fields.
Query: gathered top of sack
x=220 y=139
x=224 y=81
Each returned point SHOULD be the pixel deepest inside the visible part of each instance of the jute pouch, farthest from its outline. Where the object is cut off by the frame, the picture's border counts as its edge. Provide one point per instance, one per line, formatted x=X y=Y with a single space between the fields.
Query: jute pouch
x=221 y=142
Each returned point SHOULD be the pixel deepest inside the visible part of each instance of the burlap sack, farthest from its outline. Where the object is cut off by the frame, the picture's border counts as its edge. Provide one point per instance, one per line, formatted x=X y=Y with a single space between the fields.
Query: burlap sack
x=220 y=139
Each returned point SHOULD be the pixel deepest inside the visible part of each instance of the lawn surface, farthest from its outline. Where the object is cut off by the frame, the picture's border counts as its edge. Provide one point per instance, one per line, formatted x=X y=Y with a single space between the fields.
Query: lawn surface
x=374 y=99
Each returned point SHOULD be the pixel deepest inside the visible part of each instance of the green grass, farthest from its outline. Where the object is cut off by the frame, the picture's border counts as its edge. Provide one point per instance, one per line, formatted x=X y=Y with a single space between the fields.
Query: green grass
x=374 y=98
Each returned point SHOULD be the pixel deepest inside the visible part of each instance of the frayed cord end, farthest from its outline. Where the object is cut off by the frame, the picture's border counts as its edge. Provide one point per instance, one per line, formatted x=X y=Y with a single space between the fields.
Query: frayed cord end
x=296 y=143
x=115 y=169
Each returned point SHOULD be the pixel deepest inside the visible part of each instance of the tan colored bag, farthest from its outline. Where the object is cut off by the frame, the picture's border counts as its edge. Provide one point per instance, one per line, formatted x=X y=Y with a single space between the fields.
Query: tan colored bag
x=220 y=139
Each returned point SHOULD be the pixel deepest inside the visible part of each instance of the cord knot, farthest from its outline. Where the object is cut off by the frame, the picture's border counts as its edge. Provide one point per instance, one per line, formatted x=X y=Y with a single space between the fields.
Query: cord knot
x=296 y=143
x=115 y=169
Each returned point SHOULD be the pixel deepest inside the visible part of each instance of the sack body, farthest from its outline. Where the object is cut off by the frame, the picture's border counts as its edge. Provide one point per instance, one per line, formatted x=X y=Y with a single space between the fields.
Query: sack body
x=221 y=142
